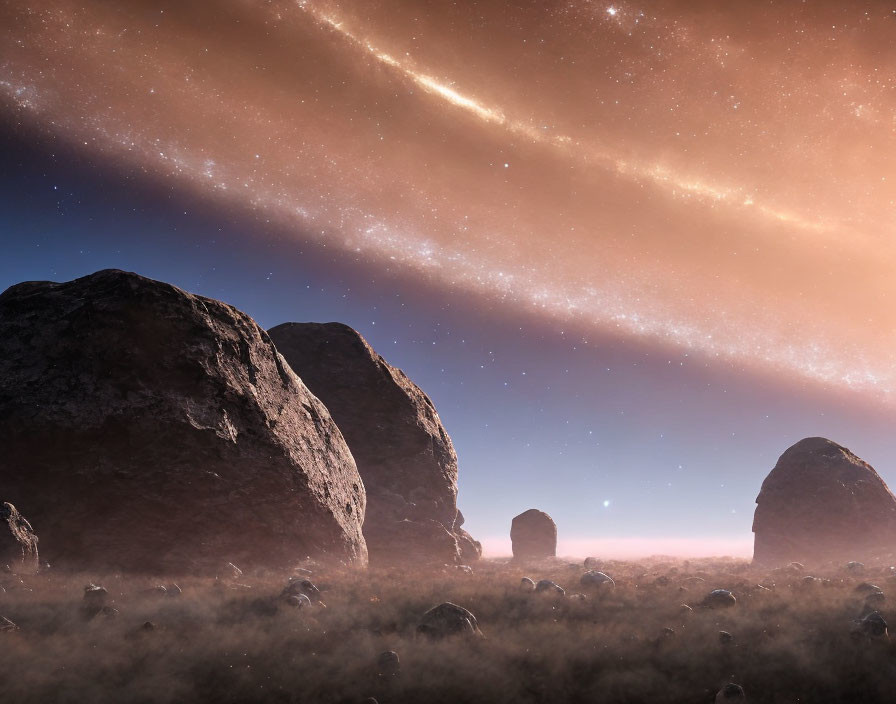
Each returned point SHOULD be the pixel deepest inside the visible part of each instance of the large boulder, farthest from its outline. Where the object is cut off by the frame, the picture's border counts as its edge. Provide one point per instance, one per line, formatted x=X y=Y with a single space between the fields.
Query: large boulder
x=18 y=542
x=148 y=429
x=403 y=453
x=533 y=535
x=822 y=504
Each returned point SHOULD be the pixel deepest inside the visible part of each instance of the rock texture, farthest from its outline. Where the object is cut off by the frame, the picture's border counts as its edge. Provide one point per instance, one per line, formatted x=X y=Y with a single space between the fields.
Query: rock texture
x=448 y=619
x=148 y=429
x=403 y=453
x=533 y=535
x=820 y=504
x=18 y=543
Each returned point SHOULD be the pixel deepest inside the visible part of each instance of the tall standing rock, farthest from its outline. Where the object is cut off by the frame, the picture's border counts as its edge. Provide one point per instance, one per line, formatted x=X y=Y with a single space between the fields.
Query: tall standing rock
x=819 y=504
x=18 y=542
x=533 y=535
x=403 y=453
x=149 y=429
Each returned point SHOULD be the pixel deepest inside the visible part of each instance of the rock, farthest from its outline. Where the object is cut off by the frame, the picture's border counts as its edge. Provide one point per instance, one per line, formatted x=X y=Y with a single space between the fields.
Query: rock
x=464 y=569
x=533 y=535
x=448 y=619
x=593 y=578
x=527 y=585
x=95 y=603
x=403 y=453
x=186 y=438
x=18 y=542
x=301 y=586
x=591 y=563
x=725 y=637
x=470 y=550
x=298 y=601
x=873 y=626
x=95 y=595
x=388 y=664
x=546 y=586
x=719 y=598
x=821 y=503
x=7 y=626
x=731 y=693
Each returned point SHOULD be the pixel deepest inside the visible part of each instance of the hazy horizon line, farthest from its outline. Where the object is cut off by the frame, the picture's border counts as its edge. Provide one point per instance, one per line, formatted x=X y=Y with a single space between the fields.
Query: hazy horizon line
x=633 y=547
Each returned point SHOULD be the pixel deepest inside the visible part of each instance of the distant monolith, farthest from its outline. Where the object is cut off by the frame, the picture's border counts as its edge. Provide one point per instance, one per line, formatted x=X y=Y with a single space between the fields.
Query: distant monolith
x=533 y=535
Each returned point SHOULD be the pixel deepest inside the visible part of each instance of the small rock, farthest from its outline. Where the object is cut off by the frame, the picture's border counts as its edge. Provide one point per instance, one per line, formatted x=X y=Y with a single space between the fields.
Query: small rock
x=873 y=625
x=725 y=637
x=719 y=598
x=6 y=625
x=298 y=586
x=593 y=578
x=855 y=567
x=731 y=693
x=95 y=595
x=388 y=663
x=466 y=569
x=527 y=585
x=546 y=586
x=592 y=563
x=448 y=619
x=867 y=587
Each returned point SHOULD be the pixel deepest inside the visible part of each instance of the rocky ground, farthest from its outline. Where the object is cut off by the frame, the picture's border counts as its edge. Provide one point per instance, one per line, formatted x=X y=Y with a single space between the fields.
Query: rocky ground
x=326 y=636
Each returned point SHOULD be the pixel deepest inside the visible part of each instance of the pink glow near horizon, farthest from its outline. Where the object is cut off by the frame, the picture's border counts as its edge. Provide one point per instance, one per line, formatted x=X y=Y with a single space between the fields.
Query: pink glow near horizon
x=628 y=548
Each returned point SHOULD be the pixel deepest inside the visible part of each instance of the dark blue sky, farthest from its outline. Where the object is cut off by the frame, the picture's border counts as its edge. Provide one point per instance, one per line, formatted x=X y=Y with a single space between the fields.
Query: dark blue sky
x=542 y=414
x=632 y=251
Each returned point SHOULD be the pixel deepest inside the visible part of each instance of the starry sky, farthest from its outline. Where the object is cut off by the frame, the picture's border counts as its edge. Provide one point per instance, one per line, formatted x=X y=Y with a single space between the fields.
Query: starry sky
x=632 y=251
